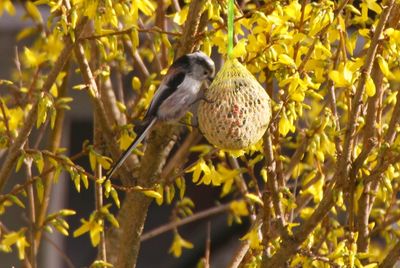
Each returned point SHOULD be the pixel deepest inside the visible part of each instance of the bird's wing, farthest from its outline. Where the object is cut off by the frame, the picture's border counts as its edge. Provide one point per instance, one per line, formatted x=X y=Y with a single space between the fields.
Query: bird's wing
x=127 y=152
x=167 y=87
x=174 y=77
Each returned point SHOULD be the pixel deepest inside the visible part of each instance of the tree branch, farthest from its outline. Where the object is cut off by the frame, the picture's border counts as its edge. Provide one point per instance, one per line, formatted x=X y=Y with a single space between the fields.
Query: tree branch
x=16 y=147
x=290 y=245
x=195 y=217
x=392 y=257
x=53 y=145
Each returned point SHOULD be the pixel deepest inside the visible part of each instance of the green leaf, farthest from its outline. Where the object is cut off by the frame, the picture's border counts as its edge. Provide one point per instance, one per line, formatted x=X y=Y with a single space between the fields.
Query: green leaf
x=181 y=184
x=100 y=264
x=85 y=180
x=114 y=196
x=77 y=181
x=74 y=18
x=16 y=200
x=353 y=9
x=39 y=161
x=255 y=198
x=152 y=193
x=107 y=187
x=20 y=162
x=42 y=111
x=61 y=229
x=104 y=161
x=110 y=217
x=92 y=159
x=39 y=189
x=80 y=87
x=67 y=212
x=169 y=193
x=53 y=117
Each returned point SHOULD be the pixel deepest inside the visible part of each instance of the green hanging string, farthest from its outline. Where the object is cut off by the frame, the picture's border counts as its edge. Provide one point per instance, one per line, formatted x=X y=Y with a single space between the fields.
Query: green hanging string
x=230 y=27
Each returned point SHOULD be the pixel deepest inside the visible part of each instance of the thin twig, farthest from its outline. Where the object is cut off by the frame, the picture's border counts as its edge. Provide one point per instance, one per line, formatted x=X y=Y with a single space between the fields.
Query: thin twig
x=53 y=145
x=239 y=254
x=178 y=158
x=158 y=63
x=5 y=120
x=60 y=251
x=333 y=104
x=161 y=24
x=272 y=183
x=42 y=132
x=102 y=253
x=32 y=215
x=140 y=63
x=295 y=159
x=195 y=217
x=208 y=247
x=129 y=30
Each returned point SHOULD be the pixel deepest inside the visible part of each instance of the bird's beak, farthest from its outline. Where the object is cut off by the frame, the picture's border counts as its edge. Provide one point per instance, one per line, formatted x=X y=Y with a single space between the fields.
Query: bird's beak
x=210 y=79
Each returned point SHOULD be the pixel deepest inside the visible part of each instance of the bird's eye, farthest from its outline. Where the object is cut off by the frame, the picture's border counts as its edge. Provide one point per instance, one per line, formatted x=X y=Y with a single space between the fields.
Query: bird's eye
x=205 y=73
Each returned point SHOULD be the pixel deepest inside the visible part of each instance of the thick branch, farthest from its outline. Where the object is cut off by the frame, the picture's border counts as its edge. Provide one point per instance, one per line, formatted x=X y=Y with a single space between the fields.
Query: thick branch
x=124 y=243
x=370 y=133
x=188 y=36
x=273 y=183
x=392 y=257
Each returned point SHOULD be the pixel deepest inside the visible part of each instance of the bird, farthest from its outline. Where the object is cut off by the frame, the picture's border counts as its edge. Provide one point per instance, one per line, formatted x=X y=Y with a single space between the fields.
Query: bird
x=178 y=90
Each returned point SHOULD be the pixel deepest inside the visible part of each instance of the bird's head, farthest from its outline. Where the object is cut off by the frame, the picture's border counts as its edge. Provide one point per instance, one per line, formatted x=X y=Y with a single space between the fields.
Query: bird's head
x=202 y=66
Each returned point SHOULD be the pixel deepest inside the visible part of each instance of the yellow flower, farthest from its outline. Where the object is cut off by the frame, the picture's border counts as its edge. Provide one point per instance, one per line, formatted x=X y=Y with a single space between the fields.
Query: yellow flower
x=178 y=244
x=239 y=208
x=254 y=238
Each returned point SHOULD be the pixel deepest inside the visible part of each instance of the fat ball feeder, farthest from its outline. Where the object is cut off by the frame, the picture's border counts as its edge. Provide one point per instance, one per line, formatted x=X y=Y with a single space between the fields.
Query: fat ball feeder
x=236 y=111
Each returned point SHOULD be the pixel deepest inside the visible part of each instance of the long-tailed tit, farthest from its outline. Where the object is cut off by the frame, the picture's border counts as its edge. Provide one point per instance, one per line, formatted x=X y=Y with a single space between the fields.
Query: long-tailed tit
x=177 y=92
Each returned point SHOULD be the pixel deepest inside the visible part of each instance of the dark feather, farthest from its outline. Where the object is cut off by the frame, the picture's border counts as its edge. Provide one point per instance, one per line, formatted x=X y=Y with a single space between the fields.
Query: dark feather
x=144 y=130
x=181 y=62
x=176 y=80
x=173 y=79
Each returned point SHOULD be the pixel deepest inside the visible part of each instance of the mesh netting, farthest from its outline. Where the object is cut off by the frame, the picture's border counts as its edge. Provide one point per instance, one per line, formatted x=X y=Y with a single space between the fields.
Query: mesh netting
x=237 y=110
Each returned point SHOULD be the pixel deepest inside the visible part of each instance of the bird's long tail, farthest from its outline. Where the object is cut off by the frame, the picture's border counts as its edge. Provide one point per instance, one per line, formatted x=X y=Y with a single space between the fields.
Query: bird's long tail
x=133 y=145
